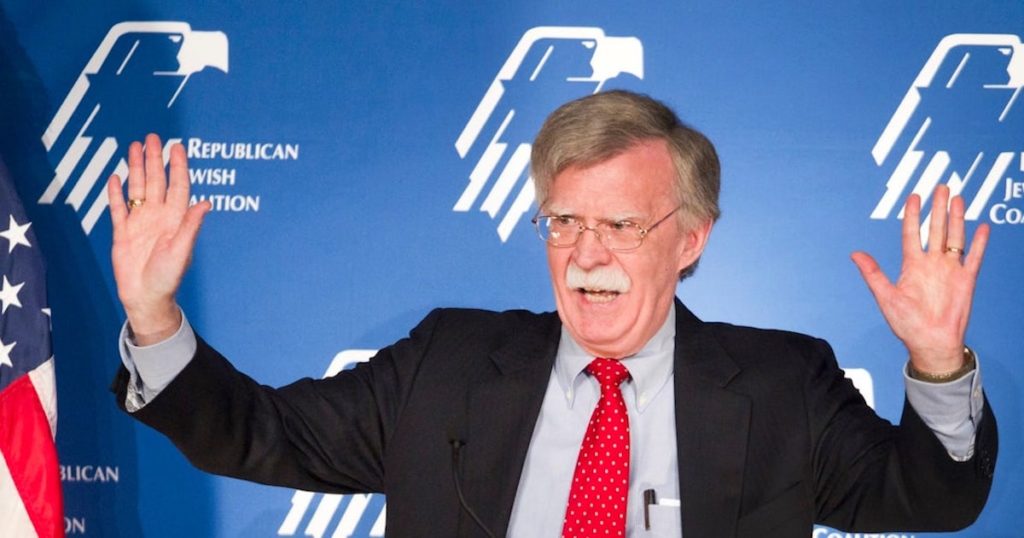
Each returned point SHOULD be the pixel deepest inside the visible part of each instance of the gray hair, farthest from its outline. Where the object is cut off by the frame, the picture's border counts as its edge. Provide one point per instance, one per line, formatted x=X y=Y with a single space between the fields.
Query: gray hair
x=597 y=127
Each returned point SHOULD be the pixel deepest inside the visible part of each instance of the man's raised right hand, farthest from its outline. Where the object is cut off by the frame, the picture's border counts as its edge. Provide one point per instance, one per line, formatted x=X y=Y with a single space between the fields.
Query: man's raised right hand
x=154 y=239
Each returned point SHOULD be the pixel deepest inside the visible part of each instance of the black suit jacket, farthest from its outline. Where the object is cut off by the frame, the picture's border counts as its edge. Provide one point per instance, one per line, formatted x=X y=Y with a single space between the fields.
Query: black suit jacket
x=770 y=435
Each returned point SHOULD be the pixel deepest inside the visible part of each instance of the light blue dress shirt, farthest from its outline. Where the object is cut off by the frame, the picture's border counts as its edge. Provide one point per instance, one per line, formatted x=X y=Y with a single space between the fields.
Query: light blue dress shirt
x=571 y=397
x=952 y=410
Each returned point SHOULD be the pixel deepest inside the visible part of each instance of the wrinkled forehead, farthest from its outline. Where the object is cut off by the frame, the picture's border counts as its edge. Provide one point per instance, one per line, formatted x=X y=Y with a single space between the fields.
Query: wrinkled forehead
x=639 y=179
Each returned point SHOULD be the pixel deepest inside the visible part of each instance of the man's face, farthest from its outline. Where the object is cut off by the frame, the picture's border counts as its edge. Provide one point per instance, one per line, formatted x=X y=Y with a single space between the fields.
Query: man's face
x=613 y=302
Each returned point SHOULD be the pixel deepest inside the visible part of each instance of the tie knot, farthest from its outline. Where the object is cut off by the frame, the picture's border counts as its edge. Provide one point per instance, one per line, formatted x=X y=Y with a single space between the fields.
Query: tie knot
x=609 y=372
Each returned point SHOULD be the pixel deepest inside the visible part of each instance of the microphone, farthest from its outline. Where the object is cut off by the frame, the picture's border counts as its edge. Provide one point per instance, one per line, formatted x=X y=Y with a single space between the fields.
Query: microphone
x=457 y=444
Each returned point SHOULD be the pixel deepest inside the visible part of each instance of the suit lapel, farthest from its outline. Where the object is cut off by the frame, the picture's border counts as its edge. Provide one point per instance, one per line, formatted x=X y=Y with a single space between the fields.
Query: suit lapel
x=712 y=424
x=502 y=410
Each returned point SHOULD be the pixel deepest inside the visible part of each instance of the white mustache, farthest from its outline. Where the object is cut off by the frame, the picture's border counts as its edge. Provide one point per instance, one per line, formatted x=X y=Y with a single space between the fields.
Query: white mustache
x=598 y=279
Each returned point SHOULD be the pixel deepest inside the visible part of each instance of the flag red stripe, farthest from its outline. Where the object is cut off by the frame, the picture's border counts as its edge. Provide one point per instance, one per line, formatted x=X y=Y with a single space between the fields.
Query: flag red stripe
x=31 y=456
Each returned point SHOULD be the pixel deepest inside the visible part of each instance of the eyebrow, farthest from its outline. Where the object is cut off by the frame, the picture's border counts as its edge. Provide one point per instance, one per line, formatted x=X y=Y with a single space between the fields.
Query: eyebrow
x=549 y=210
x=632 y=216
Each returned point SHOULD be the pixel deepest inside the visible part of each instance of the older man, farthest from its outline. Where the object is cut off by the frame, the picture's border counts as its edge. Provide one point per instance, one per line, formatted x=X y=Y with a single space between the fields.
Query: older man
x=622 y=415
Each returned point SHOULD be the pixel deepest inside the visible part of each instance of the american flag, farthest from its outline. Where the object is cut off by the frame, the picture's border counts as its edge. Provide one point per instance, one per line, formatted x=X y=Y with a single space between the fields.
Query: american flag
x=30 y=494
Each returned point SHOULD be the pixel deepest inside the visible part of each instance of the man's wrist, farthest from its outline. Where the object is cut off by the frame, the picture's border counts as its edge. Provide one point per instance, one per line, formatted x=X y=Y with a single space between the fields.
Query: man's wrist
x=968 y=365
x=153 y=328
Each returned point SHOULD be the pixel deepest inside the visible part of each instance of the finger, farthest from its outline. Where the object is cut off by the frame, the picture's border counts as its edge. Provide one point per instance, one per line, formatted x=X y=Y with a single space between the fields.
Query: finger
x=876 y=280
x=937 y=230
x=177 y=191
x=156 y=181
x=955 y=234
x=912 y=227
x=185 y=240
x=118 y=209
x=136 y=173
x=973 y=260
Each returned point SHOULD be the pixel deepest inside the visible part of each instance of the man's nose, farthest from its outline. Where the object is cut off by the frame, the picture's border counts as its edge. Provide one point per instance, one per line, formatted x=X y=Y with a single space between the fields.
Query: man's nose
x=589 y=251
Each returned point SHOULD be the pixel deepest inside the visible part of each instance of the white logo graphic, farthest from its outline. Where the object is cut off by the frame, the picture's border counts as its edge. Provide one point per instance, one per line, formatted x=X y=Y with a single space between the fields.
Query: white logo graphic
x=824 y=532
x=357 y=511
x=549 y=65
x=862 y=381
x=132 y=80
x=957 y=124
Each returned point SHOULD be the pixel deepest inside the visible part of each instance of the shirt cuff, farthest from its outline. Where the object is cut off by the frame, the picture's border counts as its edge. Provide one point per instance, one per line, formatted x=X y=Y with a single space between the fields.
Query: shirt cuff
x=952 y=410
x=153 y=367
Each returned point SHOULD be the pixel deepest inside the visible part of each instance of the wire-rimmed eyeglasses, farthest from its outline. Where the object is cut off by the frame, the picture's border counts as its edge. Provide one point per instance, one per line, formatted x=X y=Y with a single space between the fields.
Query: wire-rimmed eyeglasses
x=621 y=235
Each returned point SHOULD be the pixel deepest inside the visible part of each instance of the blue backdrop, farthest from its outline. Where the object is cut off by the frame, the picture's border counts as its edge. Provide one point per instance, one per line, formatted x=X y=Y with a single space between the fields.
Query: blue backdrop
x=365 y=163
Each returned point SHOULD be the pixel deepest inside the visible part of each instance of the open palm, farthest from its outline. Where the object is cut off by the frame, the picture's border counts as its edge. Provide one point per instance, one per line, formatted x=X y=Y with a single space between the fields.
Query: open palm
x=154 y=235
x=929 y=305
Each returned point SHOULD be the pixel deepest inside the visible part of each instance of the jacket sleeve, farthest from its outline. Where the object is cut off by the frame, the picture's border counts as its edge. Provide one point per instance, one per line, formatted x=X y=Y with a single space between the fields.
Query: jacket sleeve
x=325 y=435
x=870 y=475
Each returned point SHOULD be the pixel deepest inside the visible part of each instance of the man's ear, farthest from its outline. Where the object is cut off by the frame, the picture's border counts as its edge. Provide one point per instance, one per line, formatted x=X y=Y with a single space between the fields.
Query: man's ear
x=694 y=241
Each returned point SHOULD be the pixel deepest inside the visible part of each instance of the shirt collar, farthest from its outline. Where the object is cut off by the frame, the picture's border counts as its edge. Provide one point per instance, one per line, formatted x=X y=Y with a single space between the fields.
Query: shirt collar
x=649 y=369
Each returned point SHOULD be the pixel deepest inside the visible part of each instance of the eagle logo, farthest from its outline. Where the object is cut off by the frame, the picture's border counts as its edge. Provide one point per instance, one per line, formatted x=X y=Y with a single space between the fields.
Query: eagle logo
x=360 y=515
x=549 y=66
x=128 y=88
x=956 y=124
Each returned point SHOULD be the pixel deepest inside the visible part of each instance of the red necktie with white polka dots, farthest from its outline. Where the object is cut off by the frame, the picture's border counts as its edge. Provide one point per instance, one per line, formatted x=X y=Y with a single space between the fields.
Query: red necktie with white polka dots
x=600 y=485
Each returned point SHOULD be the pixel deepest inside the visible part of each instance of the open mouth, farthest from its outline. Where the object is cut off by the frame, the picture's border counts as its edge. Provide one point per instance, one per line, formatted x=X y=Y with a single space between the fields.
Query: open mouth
x=600 y=285
x=597 y=295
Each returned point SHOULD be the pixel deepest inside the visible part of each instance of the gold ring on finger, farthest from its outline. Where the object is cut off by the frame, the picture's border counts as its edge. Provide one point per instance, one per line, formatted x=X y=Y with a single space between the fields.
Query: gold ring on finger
x=135 y=202
x=959 y=251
